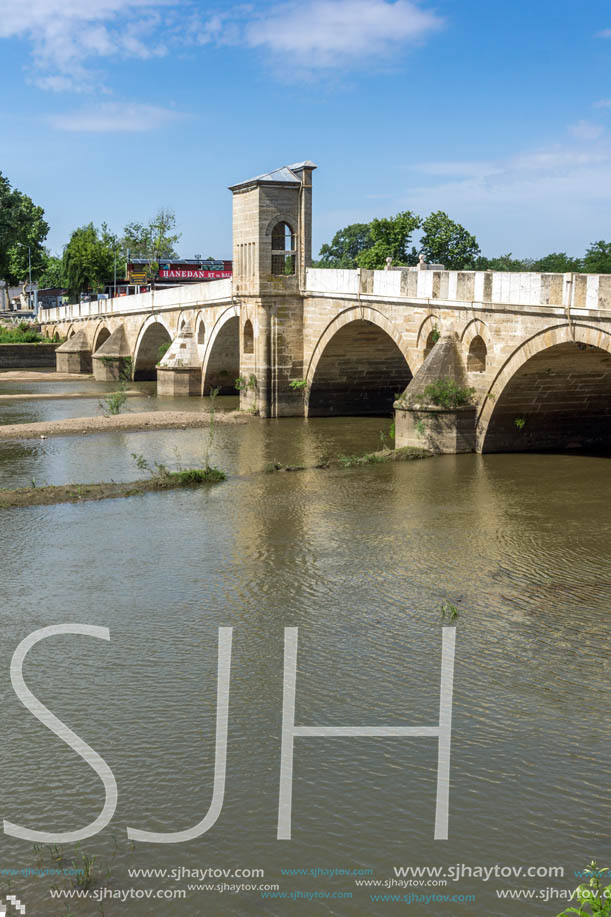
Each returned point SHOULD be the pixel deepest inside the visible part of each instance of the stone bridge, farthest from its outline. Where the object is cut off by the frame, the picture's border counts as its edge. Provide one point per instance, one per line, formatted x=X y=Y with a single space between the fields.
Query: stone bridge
x=535 y=348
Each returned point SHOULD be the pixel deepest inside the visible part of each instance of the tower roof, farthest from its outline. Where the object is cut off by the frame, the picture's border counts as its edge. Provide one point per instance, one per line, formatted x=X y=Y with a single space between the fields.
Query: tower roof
x=285 y=175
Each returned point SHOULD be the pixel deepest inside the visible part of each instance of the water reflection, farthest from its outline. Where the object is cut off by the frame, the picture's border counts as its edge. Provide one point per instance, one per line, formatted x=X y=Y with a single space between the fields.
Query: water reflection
x=359 y=560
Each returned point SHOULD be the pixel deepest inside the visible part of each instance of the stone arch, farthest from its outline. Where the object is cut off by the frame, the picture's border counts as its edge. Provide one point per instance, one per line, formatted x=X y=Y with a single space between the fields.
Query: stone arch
x=280 y=217
x=553 y=392
x=101 y=334
x=475 y=328
x=248 y=337
x=153 y=334
x=71 y=332
x=221 y=363
x=427 y=325
x=358 y=366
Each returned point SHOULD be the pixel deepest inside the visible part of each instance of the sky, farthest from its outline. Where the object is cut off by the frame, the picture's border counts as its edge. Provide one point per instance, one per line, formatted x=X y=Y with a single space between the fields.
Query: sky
x=497 y=112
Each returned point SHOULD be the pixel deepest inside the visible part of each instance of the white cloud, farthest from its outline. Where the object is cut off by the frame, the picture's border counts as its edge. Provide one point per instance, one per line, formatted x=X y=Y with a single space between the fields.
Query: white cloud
x=335 y=33
x=67 y=35
x=605 y=33
x=603 y=103
x=115 y=117
x=69 y=38
x=532 y=202
x=587 y=130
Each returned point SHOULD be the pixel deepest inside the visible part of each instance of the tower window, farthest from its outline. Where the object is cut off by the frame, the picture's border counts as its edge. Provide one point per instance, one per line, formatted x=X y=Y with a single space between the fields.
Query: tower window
x=283 y=249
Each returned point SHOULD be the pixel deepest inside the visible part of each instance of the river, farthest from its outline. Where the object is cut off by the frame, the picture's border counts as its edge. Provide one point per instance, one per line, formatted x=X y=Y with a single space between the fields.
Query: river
x=360 y=561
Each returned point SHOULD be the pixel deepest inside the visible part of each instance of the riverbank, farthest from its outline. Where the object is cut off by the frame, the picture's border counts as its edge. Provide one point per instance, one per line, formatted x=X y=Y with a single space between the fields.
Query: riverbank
x=35 y=375
x=144 y=420
x=78 y=493
x=195 y=477
x=46 y=396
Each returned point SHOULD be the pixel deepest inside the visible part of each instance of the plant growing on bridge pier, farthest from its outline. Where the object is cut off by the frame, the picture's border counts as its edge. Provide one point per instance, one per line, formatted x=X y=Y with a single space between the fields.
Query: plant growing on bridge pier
x=444 y=393
x=520 y=422
x=242 y=384
x=298 y=385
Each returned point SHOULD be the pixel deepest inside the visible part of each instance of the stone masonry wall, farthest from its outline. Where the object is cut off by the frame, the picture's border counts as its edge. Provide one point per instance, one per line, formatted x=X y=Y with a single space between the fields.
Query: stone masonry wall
x=24 y=356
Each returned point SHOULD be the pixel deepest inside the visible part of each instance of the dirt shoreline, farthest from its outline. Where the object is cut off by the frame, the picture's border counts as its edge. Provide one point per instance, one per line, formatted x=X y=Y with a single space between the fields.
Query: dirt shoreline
x=80 y=493
x=40 y=375
x=41 y=396
x=144 y=420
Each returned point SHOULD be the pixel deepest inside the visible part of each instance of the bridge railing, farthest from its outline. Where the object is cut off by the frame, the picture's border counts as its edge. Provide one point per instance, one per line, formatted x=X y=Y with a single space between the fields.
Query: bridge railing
x=579 y=291
x=182 y=297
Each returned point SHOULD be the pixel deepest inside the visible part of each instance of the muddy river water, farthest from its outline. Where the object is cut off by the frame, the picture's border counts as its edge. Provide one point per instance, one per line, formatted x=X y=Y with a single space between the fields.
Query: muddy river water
x=359 y=560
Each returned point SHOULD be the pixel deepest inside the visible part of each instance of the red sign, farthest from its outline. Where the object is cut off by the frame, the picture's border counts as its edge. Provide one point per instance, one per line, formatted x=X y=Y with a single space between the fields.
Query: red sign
x=193 y=274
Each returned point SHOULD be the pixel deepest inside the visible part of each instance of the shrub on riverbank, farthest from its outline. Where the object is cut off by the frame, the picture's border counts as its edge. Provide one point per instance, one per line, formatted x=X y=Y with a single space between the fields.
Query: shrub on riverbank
x=22 y=334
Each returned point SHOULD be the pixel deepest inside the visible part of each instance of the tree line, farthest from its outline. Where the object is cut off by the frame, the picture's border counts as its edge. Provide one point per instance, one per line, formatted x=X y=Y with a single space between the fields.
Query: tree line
x=91 y=256
x=442 y=241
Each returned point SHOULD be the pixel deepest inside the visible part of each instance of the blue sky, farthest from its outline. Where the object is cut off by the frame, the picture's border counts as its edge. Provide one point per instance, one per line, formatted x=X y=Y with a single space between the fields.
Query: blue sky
x=497 y=112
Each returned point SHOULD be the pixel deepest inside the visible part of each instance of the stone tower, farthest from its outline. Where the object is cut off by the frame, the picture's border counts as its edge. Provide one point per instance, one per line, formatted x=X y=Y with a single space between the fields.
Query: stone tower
x=272 y=247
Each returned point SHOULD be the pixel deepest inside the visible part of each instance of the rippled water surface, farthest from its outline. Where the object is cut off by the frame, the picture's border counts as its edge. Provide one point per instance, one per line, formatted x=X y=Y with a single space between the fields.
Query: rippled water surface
x=360 y=561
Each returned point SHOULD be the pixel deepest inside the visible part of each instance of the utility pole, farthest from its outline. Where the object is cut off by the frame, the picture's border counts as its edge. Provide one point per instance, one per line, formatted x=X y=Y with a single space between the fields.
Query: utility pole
x=30 y=277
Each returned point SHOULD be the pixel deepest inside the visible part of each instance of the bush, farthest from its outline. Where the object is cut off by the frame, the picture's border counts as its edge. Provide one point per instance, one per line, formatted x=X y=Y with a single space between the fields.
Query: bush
x=447 y=394
x=21 y=334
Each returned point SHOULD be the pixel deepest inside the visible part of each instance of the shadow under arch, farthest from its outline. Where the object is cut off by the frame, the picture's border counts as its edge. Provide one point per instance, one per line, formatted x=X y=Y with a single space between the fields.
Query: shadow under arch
x=358 y=366
x=553 y=393
x=102 y=334
x=147 y=354
x=221 y=364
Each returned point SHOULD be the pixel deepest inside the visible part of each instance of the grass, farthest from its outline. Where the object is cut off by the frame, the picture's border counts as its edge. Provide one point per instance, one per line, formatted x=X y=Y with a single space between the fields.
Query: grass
x=450 y=611
x=79 y=493
x=403 y=454
x=113 y=403
x=161 y=478
x=191 y=476
x=22 y=334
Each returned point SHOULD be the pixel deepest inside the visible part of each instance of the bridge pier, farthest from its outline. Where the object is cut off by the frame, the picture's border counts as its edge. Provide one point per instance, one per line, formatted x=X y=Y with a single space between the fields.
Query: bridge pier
x=112 y=362
x=74 y=355
x=427 y=415
x=179 y=372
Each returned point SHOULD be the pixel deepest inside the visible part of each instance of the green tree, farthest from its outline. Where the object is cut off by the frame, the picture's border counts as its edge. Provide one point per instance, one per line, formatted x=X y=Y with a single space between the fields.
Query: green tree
x=52 y=274
x=597 y=259
x=89 y=259
x=152 y=241
x=345 y=245
x=390 y=238
x=448 y=243
x=22 y=226
x=502 y=263
x=557 y=263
